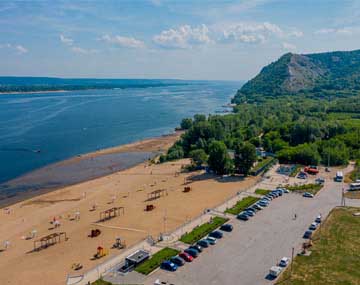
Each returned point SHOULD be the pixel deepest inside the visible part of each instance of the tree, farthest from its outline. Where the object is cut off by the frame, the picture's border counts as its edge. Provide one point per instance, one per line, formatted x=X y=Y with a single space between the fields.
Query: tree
x=219 y=160
x=198 y=157
x=199 y=118
x=245 y=156
x=186 y=123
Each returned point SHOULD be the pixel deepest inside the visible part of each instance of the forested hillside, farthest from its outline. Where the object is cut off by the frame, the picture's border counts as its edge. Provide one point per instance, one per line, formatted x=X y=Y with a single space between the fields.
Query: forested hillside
x=321 y=125
x=318 y=75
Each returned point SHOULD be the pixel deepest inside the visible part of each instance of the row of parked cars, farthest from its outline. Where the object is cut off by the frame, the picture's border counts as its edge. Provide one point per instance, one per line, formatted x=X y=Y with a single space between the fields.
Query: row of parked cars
x=194 y=250
x=309 y=232
x=262 y=203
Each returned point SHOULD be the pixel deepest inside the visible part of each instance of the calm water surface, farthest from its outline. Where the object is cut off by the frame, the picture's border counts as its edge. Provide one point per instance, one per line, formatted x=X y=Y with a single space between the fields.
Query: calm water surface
x=62 y=125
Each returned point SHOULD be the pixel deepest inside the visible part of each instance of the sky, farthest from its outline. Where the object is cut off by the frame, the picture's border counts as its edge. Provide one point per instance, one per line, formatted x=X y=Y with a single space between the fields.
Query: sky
x=200 y=40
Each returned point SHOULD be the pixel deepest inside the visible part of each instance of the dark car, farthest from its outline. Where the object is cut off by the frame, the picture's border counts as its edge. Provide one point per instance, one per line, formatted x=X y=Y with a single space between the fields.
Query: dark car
x=250 y=213
x=194 y=253
x=307 y=234
x=203 y=243
x=196 y=247
x=187 y=257
x=177 y=260
x=168 y=265
x=216 y=234
x=242 y=216
x=226 y=228
x=251 y=209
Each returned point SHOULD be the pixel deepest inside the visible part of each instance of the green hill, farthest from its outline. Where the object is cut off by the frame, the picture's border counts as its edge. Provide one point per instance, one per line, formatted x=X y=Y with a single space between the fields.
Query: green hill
x=321 y=74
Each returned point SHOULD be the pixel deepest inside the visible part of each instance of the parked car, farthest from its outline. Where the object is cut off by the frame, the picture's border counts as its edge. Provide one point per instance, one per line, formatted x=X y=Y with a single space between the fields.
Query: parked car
x=168 y=265
x=251 y=209
x=194 y=253
x=268 y=197
x=198 y=248
x=257 y=206
x=275 y=271
x=308 y=195
x=264 y=201
x=302 y=175
x=216 y=234
x=284 y=261
x=279 y=192
x=226 y=228
x=187 y=257
x=242 y=216
x=177 y=260
x=263 y=204
x=276 y=194
x=211 y=240
x=307 y=234
x=320 y=180
x=203 y=243
x=250 y=213
x=286 y=191
x=318 y=219
x=313 y=226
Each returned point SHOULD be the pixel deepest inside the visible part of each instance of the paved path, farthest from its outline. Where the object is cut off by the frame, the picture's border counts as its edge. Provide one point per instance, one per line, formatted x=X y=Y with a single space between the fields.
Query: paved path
x=244 y=256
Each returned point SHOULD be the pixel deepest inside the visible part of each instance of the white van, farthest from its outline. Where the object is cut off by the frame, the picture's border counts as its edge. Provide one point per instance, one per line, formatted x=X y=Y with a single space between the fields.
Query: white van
x=354 y=186
x=339 y=176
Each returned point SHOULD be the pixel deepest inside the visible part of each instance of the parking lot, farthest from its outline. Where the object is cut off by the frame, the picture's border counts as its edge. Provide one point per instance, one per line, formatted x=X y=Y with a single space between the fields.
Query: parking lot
x=245 y=255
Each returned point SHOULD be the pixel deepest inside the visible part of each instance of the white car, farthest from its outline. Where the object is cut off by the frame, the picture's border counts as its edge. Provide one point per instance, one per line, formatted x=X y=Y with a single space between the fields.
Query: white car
x=313 y=226
x=318 y=219
x=308 y=195
x=275 y=271
x=211 y=240
x=284 y=261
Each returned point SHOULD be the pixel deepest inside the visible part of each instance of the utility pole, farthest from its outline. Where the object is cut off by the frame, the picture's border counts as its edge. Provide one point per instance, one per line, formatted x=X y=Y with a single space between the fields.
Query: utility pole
x=292 y=260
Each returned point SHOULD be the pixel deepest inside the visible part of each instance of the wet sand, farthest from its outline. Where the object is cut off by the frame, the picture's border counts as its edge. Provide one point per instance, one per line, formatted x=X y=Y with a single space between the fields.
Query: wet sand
x=82 y=168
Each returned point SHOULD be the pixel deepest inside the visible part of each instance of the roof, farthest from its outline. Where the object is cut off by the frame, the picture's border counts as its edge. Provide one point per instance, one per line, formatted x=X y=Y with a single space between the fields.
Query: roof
x=138 y=256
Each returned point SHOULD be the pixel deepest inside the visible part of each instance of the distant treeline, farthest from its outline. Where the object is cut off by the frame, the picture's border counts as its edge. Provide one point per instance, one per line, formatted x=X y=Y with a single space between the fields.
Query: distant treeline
x=40 y=84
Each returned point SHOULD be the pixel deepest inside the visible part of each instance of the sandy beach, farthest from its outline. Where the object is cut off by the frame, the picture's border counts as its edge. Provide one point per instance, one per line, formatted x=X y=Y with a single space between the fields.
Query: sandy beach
x=129 y=189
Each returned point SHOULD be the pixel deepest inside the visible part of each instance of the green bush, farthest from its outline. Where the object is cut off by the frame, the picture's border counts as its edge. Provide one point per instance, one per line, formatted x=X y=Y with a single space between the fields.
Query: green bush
x=155 y=261
x=201 y=231
x=242 y=205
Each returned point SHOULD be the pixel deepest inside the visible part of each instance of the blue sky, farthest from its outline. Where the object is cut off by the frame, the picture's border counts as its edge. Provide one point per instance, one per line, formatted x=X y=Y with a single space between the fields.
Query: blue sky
x=222 y=39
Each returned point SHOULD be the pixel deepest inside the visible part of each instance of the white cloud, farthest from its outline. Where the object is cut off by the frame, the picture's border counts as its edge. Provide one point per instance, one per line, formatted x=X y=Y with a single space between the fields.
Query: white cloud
x=288 y=46
x=183 y=37
x=65 y=40
x=348 y=31
x=156 y=2
x=296 y=34
x=18 y=48
x=250 y=32
x=127 y=42
x=80 y=50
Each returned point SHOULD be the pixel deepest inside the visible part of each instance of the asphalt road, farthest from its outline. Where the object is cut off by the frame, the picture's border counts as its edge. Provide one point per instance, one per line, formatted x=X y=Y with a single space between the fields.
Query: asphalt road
x=245 y=255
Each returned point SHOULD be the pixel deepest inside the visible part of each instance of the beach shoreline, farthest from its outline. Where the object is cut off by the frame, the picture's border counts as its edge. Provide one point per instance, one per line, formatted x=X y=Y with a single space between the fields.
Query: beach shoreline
x=98 y=163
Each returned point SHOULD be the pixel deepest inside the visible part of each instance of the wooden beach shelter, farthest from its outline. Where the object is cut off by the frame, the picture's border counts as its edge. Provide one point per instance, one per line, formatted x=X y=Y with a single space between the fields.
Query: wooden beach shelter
x=111 y=213
x=157 y=194
x=48 y=240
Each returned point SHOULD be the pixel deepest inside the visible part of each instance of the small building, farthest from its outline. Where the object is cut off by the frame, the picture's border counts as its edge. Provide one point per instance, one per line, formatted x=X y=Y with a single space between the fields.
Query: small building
x=134 y=260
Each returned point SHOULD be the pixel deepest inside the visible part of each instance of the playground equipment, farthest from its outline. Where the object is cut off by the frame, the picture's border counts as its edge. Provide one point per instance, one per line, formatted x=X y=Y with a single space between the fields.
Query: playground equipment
x=94 y=233
x=157 y=194
x=187 y=189
x=49 y=240
x=119 y=244
x=101 y=252
x=111 y=213
x=149 y=207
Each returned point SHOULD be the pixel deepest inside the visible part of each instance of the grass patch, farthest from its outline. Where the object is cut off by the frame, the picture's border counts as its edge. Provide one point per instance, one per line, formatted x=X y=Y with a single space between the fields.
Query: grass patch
x=101 y=282
x=353 y=194
x=201 y=231
x=335 y=256
x=242 y=205
x=154 y=262
x=311 y=188
x=295 y=171
x=262 y=191
x=353 y=175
